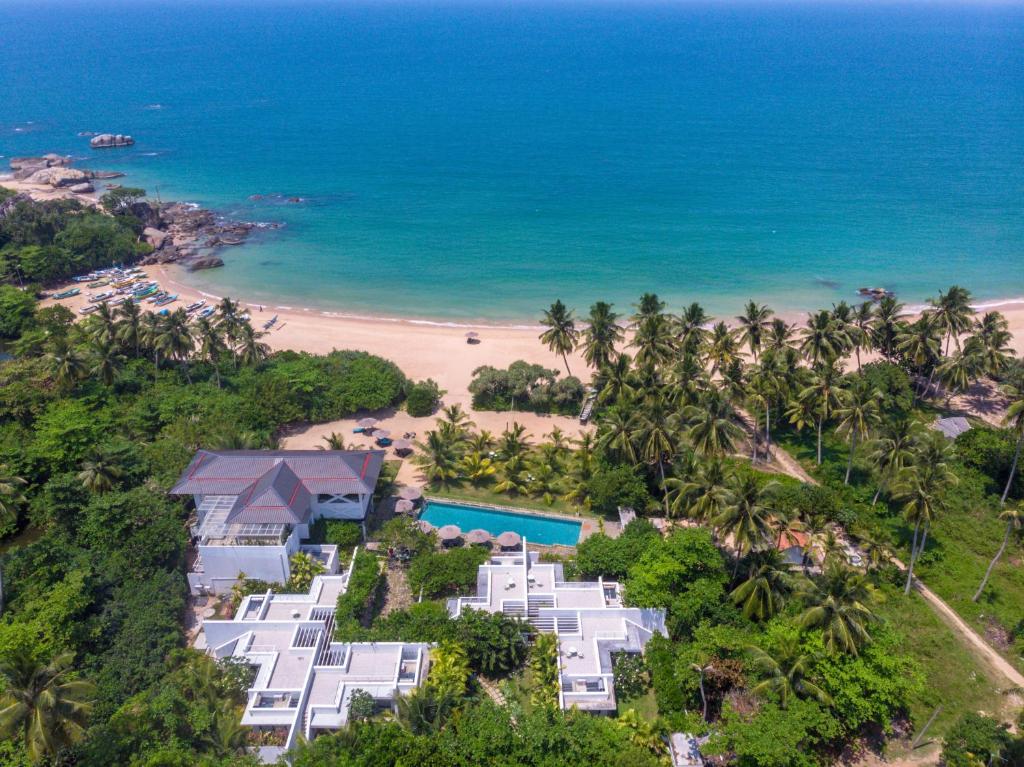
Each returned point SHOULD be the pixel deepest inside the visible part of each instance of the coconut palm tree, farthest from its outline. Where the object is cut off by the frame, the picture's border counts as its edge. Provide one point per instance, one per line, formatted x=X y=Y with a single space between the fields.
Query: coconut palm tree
x=459 y=419
x=615 y=379
x=129 y=327
x=658 y=441
x=957 y=372
x=953 y=312
x=477 y=468
x=515 y=477
x=10 y=497
x=779 y=335
x=822 y=340
x=921 y=488
x=892 y=450
x=333 y=441
x=210 y=339
x=616 y=434
x=720 y=347
x=992 y=341
x=1014 y=519
x=788 y=672
x=767 y=384
x=887 y=326
x=226 y=736
x=705 y=494
x=105 y=359
x=770 y=579
x=818 y=400
x=229 y=318
x=1014 y=419
x=920 y=344
x=150 y=330
x=842 y=318
x=175 y=340
x=251 y=351
x=425 y=711
x=66 y=363
x=861 y=328
x=43 y=703
x=438 y=458
x=601 y=335
x=839 y=603
x=514 y=441
x=648 y=306
x=753 y=325
x=99 y=474
x=653 y=341
x=482 y=442
x=103 y=323
x=857 y=415
x=747 y=516
x=691 y=330
x=561 y=335
x=711 y=425
x=644 y=733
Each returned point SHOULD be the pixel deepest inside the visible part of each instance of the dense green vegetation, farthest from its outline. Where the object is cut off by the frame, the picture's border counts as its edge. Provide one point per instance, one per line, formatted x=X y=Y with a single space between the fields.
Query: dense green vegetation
x=528 y=387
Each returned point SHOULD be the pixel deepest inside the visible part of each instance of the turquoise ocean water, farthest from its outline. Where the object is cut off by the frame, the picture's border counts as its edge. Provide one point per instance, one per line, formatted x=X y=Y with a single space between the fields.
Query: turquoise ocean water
x=462 y=160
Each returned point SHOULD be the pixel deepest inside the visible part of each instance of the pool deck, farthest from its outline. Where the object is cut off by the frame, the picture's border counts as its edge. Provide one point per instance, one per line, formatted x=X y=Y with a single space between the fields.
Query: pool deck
x=588 y=525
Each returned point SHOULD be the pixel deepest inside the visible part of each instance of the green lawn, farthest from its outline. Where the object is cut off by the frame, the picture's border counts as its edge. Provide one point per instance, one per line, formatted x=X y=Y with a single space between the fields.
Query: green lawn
x=645 y=705
x=953 y=678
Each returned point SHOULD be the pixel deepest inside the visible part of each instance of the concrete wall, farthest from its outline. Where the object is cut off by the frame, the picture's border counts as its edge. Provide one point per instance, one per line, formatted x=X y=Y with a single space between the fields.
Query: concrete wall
x=222 y=564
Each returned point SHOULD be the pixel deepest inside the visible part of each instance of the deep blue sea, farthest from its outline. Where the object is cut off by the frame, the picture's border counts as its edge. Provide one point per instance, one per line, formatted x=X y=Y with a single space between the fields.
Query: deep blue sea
x=476 y=160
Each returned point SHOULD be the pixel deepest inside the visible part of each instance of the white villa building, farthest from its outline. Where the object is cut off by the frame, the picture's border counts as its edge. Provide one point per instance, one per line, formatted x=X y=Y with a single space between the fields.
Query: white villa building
x=304 y=680
x=254 y=506
x=589 y=619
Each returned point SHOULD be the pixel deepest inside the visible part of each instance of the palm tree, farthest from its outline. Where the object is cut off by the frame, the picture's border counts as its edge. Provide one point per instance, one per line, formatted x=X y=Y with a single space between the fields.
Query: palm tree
x=43 y=703
x=175 y=339
x=129 y=329
x=601 y=335
x=766 y=386
x=701 y=670
x=227 y=736
x=477 y=468
x=515 y=477
x=252 y=351
x=746 y=517
x=754 y=323
x=690 y=328
x=438 y=458
x=10 y=499
x=616 y=434
x=712 y=427
x=1014 y=518
x=106 y=360
x=561 y=335
x=921 y=489
x=992 y=339
x=482 y=442
x=103 y=323
x=840 y=605
x=953 y=312
x=761 y=596
x=615 y=379
x=788 y=672
x=721 y=347
x=653 y=341
x=151 y=327
x=892 y=450
x=658 y=440
x=861 y=327
x=230 y=321
x=887 y=326
x=819 y=399
x=779 y=335
x=648 y=306
x=458 y=418
x=514 y=441
x=858 y=412
x=823 y=340
x=333 y=441
x=211 y=344
x=705 y=494
x=99 y=474
x=65 y=363
x=920 y=344
x=1014 y=418
x=425 y=710
x=957 y=372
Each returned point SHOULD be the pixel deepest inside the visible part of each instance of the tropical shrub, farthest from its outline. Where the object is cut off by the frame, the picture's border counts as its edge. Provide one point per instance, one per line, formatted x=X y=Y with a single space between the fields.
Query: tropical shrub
x=544 y=667
x=441 y=573
x=615 y=486
x=355 y=606
x=336 y=532
x=423 y=398
x=494 y=641
x=632 y=678
x=524 y=386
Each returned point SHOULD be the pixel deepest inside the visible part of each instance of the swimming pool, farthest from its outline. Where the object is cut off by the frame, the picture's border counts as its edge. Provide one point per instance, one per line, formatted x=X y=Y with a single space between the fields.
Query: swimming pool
x=535 y=528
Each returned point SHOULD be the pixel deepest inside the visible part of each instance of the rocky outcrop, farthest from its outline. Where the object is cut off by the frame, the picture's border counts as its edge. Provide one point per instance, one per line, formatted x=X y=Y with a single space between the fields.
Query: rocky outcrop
x=84 y=188
x=24 y=167
x=202 y=262
x=58 y=176
x=109 y=140
x=155 y=237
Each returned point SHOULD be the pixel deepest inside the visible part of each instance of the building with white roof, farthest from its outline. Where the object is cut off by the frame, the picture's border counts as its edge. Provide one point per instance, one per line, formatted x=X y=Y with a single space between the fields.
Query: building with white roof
x=254 y=506
x=589 y=618
x=305 y=680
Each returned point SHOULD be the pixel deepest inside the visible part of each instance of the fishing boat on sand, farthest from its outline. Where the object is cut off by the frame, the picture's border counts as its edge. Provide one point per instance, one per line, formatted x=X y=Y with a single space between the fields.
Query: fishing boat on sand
x=67 y=293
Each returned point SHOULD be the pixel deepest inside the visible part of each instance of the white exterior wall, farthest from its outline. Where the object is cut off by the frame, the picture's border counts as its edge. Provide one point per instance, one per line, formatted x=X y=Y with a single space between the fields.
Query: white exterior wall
x=222 y=564
x=355 y=510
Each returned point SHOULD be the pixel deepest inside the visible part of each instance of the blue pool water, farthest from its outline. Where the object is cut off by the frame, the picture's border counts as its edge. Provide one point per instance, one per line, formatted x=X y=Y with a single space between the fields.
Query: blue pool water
x=534 y=528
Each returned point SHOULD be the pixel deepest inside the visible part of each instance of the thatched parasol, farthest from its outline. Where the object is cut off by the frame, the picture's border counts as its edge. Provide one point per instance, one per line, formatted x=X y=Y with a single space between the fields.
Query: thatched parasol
x=509 y=539
x=410 y=493
x=403 y=506
x=367 y=423
x=381 y=433
x=478 y=536
x=449 y=533
x=401 y=445
x=425 y=526
x=472 y=334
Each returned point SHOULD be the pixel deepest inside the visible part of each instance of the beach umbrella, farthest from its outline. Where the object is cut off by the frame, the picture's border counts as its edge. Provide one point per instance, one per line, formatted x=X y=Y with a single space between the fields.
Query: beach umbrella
x=403 y=506
x=401 y=445
x=472 y=334
x=381 y=433
x=449 y=532
x=509 y=539
x=425 y=526
x=478 y=536
x=367 y=423
x=410 y=493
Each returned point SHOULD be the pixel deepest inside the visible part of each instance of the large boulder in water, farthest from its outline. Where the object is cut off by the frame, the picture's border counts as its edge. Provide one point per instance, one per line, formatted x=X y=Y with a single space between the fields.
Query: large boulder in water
x=108 y=140
x=83 y=188
x=58 y=176
x=203 y=262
